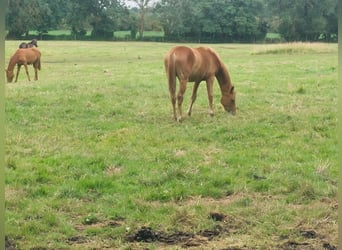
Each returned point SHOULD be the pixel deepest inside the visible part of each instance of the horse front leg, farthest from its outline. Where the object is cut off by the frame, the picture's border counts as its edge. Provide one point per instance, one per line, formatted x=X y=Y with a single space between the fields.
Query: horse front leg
x=18 y=70
x=27 y=72
x=210 y=83
x=193 y=97
x=180 y=97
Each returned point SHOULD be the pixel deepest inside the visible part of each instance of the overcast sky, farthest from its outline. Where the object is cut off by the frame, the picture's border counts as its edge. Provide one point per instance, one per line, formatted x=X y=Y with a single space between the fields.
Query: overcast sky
x=131 y=3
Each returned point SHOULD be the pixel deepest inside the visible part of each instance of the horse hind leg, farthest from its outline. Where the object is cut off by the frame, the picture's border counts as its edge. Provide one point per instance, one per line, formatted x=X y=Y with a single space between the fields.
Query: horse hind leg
x=35 y=72
x=172 y=90
x=193 y=97
x=173 y=101
x=180 y=97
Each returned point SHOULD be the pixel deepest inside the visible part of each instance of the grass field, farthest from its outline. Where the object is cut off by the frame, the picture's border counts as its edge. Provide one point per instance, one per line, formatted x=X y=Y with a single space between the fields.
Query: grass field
x=94 y=159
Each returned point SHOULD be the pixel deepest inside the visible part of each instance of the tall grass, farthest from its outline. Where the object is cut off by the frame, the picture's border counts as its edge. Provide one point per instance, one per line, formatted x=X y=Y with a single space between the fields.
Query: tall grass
x=93 y=153
x=295 y=48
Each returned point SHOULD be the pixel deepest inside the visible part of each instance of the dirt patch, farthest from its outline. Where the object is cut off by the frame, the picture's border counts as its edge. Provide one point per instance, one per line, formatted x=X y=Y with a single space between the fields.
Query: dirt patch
x=235 y=248
x=309 y=234
x=329 y=247
x=185 y=239
x=217 y=216
x=9 y=244
x=208 y=237
x=77 y=240
x=311 y=240
x=293 y=245
x=230 y=231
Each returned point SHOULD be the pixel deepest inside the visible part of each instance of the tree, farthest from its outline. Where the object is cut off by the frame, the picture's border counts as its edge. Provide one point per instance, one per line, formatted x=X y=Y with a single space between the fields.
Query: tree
x=102 y=15
x=213 y=21
x=41 y=15
x=305 y=20
x=20 y=20
x=170 y=13
x=143 y=6
x=52 y=14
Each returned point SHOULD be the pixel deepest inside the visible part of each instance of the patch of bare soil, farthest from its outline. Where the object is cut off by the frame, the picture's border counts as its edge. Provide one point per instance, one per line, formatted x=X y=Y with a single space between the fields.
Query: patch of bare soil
x=147 y=234
x=213 y=238
x=293 y=245
x=312 y=240
x=9 y=244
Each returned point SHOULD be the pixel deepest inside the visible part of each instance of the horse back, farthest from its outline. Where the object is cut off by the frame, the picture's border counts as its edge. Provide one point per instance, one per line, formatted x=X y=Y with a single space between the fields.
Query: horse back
x=193 y=64
x=28 y=55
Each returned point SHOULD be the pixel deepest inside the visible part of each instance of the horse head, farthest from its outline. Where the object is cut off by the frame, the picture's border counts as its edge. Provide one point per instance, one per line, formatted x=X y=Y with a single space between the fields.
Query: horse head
x=228 y=101
x=9 y=75
x=34 y=43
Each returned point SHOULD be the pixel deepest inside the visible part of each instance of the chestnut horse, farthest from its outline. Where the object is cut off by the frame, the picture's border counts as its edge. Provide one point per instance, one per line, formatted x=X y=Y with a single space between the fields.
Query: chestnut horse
x=23 y=57
x=196 y=65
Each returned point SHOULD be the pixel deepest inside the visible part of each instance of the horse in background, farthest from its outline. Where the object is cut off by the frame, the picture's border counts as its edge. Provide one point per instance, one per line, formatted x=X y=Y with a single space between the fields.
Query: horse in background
x=196 y=65
x=31 y=44
x=24 y=57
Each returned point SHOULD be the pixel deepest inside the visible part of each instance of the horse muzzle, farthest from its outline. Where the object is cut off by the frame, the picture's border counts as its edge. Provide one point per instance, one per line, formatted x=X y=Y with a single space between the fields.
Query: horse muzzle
x=231 y=112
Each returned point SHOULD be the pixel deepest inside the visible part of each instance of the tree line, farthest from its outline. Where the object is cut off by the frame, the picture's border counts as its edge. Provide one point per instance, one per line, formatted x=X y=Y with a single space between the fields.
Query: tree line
x=180 y=20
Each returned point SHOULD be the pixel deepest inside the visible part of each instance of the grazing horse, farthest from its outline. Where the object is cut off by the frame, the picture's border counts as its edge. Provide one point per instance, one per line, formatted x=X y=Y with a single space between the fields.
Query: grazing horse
x=23 y=57
x=196 y=65
x=31 y=44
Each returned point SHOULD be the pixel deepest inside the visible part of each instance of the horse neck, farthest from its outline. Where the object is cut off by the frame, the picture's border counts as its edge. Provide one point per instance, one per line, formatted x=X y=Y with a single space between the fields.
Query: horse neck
x=223 y=79
x=12 y=63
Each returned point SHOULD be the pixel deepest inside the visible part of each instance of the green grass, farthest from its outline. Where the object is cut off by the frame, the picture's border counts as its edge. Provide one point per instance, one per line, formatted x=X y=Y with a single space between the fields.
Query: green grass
x=273 y=35
x=93 y=153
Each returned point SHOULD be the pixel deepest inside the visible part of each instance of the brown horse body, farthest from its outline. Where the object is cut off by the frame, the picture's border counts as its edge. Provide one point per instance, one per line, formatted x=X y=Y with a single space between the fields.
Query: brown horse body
x=196 y=65
x=24 y=57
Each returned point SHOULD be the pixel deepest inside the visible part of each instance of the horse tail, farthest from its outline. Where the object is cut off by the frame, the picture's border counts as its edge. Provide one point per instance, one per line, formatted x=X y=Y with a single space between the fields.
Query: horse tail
x=170 y=67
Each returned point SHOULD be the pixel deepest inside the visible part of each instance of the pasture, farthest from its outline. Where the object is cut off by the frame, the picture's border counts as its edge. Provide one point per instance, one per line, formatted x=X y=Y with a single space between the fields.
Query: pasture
x=94 y=159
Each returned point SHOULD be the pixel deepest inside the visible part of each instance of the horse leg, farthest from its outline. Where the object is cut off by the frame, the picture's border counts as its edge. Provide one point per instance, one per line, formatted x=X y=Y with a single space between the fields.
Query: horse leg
x=172 y=90
x=18 y=70
x=182 y=88
x=27 y=73
x=193 y=97
x=210 y=83
x=35 y=72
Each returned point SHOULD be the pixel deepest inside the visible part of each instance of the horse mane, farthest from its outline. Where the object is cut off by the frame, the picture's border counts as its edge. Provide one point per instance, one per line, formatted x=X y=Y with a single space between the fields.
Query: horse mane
x=222 y=74
x=12 y=62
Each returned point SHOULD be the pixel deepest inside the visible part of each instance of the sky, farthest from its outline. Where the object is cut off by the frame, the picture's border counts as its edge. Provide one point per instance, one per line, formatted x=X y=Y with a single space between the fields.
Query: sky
x=130 y=3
